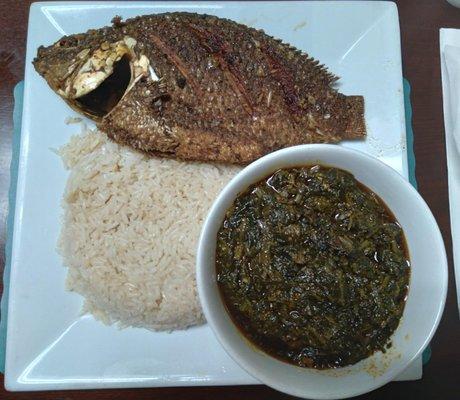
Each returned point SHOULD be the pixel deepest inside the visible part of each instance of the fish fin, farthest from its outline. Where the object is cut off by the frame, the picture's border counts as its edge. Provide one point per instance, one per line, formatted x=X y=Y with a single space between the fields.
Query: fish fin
x=320 y=70
x=356 y=128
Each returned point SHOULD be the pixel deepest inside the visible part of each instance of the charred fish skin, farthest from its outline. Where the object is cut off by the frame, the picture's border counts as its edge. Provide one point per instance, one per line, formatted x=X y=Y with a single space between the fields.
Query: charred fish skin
x=199 y=87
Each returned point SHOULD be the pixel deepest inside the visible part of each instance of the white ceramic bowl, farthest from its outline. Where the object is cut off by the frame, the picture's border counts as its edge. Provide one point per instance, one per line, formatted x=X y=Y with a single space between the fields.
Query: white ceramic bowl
x=426 y=296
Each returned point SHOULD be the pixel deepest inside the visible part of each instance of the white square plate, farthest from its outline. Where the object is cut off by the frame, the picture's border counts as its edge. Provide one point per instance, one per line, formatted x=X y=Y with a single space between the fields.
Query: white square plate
x=49 y=345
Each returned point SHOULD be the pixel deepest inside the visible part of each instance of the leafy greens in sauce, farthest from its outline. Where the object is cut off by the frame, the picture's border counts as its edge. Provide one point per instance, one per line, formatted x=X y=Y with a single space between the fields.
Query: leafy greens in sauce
x=313 y=267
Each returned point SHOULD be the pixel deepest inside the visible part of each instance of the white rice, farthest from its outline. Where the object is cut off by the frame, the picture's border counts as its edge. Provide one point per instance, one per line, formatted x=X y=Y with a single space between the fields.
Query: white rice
x=130 y=230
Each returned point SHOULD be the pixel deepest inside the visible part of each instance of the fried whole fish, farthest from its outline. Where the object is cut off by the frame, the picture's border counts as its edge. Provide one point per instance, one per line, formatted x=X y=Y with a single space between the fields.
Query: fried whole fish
x=199 y=87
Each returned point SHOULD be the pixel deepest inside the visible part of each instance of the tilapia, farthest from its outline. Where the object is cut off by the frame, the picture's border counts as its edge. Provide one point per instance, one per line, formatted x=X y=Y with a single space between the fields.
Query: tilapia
x=199 y=87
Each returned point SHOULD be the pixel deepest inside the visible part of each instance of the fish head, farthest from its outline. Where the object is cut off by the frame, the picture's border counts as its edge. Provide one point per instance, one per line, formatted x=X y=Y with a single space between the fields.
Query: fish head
x=91 y=74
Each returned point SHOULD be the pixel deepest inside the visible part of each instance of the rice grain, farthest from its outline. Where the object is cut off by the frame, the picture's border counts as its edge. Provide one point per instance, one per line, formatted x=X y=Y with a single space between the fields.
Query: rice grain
x=130 y=230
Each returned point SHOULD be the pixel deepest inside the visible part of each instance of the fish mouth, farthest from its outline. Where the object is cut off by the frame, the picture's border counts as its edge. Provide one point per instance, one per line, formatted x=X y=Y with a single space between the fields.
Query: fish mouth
x=98 y=102
x=102 y=78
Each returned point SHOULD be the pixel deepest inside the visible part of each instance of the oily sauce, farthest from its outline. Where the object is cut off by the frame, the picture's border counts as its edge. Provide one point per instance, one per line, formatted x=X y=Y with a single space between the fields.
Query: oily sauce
x=313 y=267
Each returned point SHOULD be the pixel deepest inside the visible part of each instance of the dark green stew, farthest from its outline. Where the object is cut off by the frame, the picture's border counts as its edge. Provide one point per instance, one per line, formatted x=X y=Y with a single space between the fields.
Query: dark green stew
x=313 y=267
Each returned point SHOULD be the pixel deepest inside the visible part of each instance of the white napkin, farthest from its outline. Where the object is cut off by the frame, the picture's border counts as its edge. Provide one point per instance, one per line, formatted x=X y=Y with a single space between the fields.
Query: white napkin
x=452 y=62
x=449 y=41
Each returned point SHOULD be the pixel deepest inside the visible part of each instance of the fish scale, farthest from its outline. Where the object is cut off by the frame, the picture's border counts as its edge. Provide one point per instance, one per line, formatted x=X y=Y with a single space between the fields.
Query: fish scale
x=200 y=88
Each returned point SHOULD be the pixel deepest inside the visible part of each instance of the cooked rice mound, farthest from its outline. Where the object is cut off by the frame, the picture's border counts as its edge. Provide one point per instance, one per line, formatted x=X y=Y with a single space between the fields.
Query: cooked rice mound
x=130 y=230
